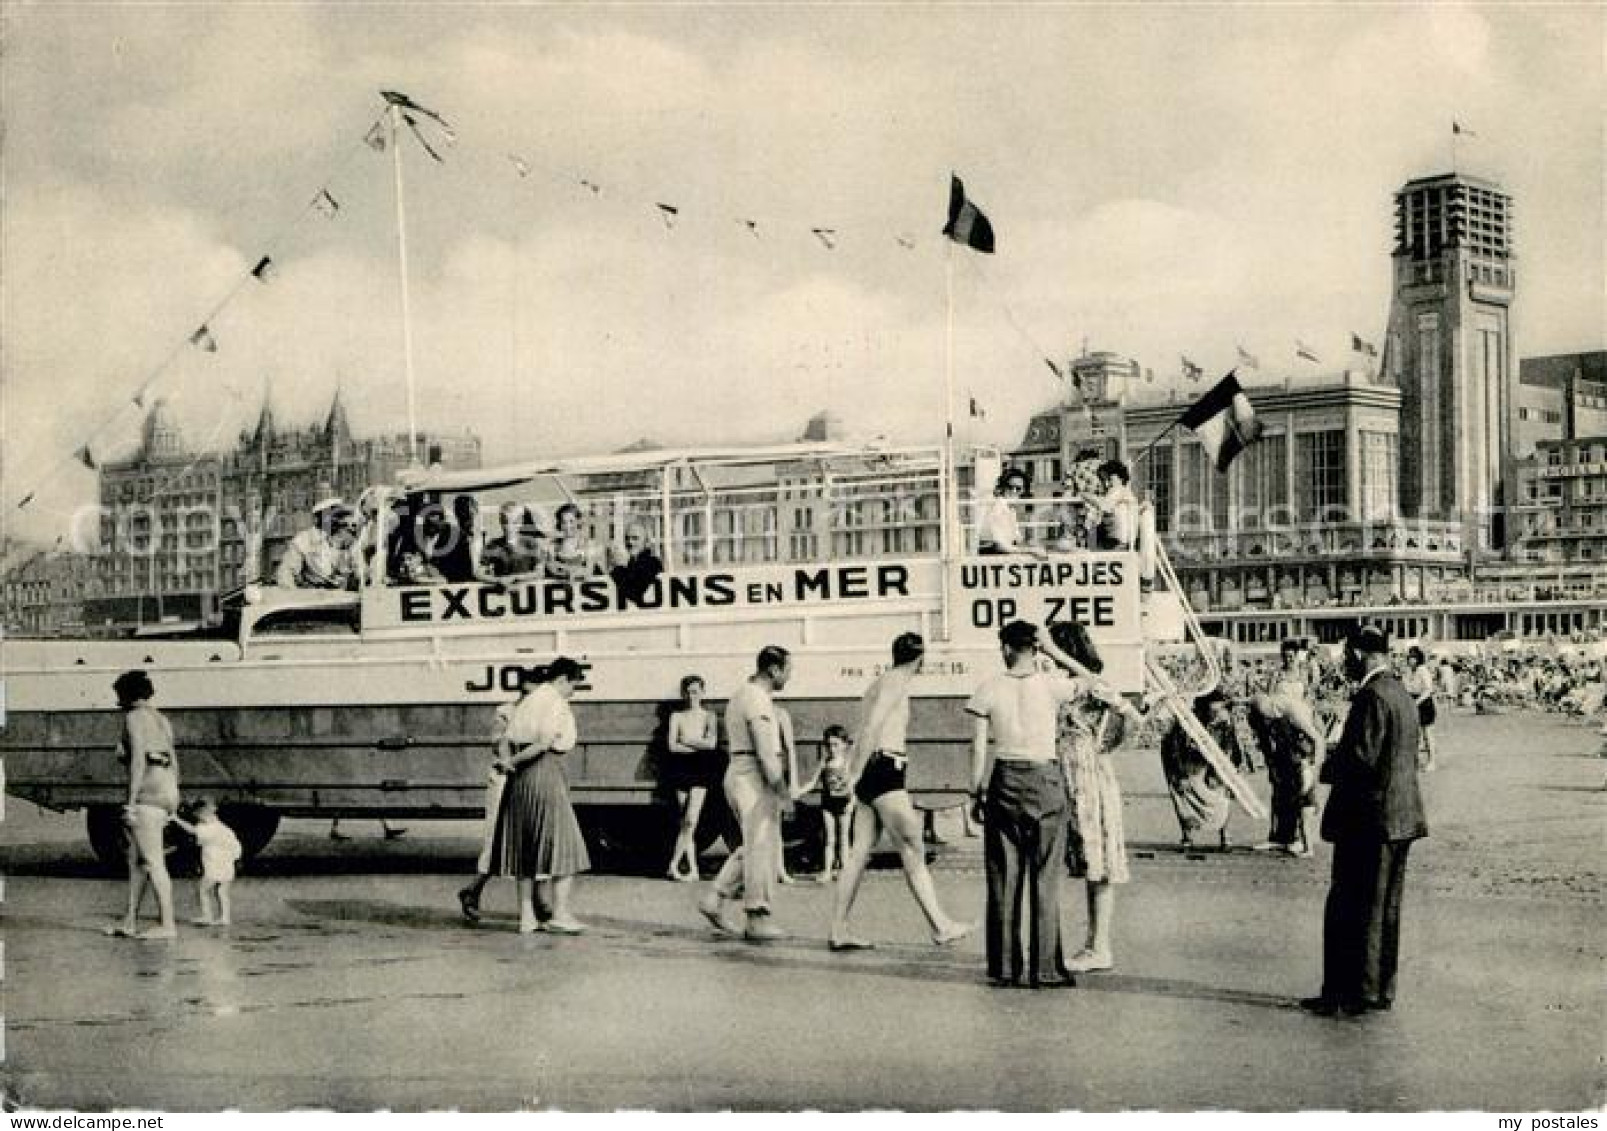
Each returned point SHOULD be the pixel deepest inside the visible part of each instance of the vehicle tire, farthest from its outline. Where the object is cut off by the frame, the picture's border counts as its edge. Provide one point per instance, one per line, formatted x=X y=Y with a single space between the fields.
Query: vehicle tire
x=633 y=839
x=253 y=824
x=104 y=823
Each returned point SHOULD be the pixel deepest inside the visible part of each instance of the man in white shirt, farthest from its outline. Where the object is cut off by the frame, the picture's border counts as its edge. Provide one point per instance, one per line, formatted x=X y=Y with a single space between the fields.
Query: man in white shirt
x=1020 y=789
x=321 y=557
x=757 y=788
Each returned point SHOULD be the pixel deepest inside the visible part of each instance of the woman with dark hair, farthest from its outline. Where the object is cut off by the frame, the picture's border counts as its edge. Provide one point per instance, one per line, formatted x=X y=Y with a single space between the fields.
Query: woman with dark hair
x=538 y=839
x=998 y=529
x=1199 y=798
x=692 y=764
x=572 y=556
x=147 y=749
x=1090 y=728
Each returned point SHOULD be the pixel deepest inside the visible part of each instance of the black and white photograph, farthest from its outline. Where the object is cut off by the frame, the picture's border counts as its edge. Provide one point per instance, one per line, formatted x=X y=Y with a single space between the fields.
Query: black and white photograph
x=781 y=557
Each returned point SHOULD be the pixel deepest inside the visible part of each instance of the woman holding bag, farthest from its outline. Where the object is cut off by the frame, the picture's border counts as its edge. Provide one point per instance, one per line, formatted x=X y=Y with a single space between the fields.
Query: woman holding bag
x=538 y=839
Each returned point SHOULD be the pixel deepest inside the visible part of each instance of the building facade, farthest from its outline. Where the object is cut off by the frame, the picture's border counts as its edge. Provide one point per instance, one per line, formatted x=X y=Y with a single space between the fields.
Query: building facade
x=180 y=527
x=1561 y=515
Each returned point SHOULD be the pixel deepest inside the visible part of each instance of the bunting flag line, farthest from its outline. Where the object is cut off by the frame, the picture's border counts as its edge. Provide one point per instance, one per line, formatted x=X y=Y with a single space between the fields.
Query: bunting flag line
x=86 y=457
x=203 y=340
x=1224 y=420
x=1361 y=345
x=1248 y=359
x=326 y=203
x=1190 y=370
x=826 y=236
x=375 y=139
x=1306 y=353
x=967 y=224
x=596 y=189
x=904 y=241
x=407 y=105
x=264 y=270
x=668 y=213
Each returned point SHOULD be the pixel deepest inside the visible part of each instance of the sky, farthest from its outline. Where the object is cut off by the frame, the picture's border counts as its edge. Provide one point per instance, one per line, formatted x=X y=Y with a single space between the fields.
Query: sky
x=1163 y=181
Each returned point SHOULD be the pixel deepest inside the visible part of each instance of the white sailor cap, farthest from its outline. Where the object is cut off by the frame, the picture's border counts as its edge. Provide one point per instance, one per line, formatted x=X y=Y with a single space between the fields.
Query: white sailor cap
x=333 y=503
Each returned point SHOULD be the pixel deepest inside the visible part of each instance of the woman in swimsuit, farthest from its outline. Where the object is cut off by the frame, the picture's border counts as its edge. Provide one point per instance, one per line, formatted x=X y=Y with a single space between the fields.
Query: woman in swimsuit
x=147 y=748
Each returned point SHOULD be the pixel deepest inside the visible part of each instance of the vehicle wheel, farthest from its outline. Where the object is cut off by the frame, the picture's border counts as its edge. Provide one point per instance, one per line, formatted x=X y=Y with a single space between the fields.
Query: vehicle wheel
x=104 y=824
x=253 y=824
x=629 y=838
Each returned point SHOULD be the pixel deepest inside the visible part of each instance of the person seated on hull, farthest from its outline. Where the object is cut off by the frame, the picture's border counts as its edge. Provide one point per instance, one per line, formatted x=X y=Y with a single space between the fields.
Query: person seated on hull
x=998 y=530
x=637 y=566
x=322 y=556
x=1117 y=508
x=521 y=548
x=572 y=557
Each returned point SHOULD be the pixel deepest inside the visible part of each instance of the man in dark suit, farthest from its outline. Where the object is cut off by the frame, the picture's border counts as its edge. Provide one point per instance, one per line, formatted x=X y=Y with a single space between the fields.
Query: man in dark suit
x=1374 y=813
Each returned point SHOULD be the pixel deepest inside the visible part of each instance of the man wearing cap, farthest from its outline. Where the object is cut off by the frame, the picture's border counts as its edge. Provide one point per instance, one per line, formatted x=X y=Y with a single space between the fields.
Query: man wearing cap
x=1374 y=813
x=521 y=549
x=322 y=557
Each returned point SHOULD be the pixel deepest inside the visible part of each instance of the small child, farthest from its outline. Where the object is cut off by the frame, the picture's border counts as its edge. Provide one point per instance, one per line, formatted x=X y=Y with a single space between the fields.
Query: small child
x=836 y=798
x=220 y=849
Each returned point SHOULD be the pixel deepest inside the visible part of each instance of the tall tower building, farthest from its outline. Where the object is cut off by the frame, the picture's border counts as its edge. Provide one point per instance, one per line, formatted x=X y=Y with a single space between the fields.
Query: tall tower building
x=1450 y=350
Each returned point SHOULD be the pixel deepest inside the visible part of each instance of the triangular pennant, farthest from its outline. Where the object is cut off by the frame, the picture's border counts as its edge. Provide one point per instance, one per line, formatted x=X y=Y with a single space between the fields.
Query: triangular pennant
x=905 y=242
x=264 y=270
x=412 y=124
x=752 y=226
x=520 y=165
x=376 y=138
x=1055 y=369
x=203 y=340
x=326 y=203
x=827 y=236
x=592 y=185
x=668 y=213
x=26 y=499
x=86 y=457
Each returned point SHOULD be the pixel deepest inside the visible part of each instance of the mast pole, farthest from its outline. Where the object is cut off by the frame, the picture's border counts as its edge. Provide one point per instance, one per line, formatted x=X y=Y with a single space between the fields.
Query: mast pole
x=395 y=114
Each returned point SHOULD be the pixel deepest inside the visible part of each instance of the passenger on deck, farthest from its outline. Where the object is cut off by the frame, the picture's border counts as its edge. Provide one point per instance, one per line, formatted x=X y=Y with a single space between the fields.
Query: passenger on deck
x=521 y=549
x=447 y=543
x=1118 y=508
x=998 y=530
x=573 y=557
x=322 y=556
x=638 y=566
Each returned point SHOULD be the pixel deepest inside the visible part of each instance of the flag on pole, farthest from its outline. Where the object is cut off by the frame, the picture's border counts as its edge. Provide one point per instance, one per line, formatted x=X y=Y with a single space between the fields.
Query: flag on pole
x=668 y=213
x=967 y=225
x=827 y=236
x=1248 y=359
x=86 y=457
x=203 y=340
x=1224 y=420
x=1361 y=345
x=264 y=270
x=1459 y=130
x=1306 y=353
x=1190 y=370
x=326 y=203
x=375 y=138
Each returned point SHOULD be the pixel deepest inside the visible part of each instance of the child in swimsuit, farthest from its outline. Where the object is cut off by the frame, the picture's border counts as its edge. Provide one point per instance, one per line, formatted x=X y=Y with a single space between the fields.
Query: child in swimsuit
x=220 y=851
x=836 y=797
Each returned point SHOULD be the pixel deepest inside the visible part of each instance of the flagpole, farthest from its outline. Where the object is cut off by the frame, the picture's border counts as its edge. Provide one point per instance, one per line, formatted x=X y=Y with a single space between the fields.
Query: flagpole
x=950 y=474
x=1149 y=447
x=395 y=114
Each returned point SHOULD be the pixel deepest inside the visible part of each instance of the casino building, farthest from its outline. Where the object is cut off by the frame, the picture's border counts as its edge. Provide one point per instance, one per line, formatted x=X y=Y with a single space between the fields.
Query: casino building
x=1390 y=482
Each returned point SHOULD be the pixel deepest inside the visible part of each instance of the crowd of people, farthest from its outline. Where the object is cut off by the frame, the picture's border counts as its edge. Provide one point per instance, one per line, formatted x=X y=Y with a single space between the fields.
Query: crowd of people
x=425 y=541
